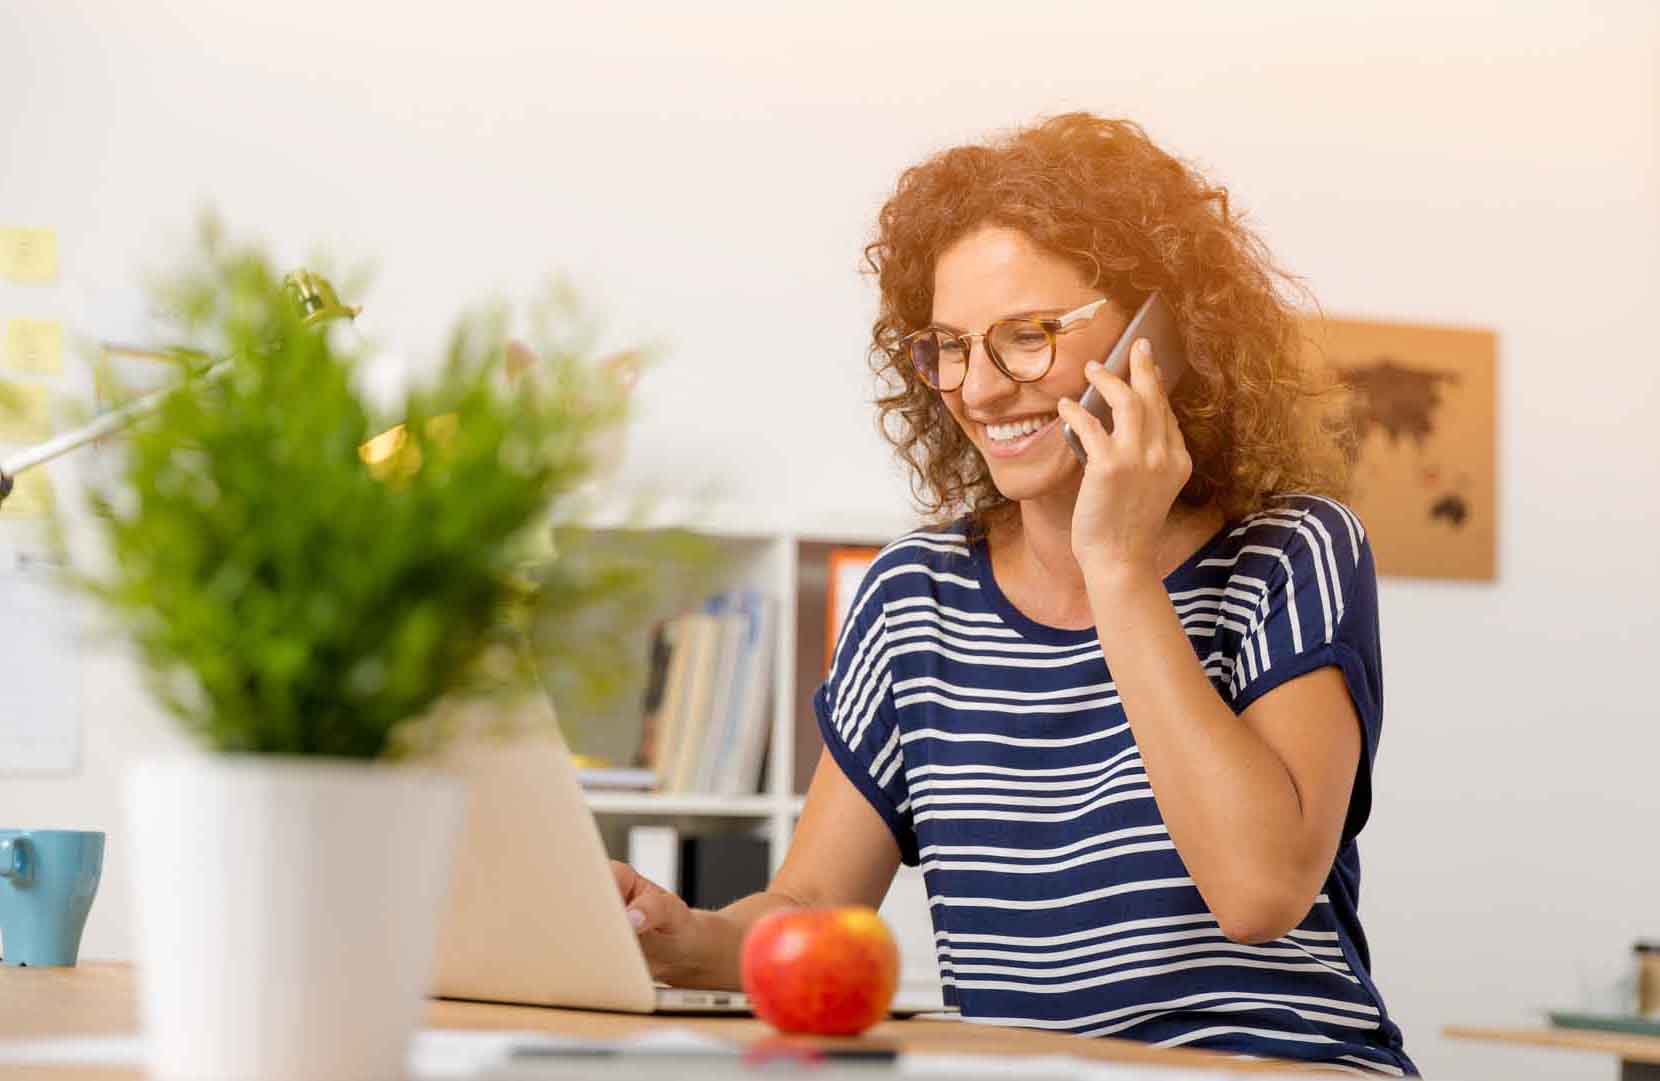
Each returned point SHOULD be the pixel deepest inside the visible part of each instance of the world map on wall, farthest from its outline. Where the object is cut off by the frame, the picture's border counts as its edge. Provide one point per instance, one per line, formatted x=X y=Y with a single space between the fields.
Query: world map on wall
x=1420 y=435
x=1397 y=398
x=1402 y=402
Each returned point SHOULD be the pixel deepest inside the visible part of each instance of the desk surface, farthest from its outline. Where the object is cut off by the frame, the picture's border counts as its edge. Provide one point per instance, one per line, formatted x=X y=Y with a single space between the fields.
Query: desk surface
x=1629 y=1048
x=101 y=999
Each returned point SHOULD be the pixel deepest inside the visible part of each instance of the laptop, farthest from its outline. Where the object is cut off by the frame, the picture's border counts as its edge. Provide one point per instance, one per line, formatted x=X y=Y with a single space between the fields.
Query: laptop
x=534 y=915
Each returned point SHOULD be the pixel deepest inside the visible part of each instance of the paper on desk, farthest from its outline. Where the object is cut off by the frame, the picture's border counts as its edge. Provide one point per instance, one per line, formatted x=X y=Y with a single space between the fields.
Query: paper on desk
x=673 y=1040
x=1056 y=1067
x=73 y=1051
x=450 y=1053
x=1092 y=1070
x=441 y=1053
x=458 y=1053
x=434 y=1053
x=978 y=1066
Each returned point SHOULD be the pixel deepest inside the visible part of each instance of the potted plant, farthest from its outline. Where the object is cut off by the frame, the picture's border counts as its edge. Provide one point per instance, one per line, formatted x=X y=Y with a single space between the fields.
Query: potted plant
x=305 y=598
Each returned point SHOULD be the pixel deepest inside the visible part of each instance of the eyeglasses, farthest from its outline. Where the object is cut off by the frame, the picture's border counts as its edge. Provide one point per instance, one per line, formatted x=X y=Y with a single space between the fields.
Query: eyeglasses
x=1022 y=349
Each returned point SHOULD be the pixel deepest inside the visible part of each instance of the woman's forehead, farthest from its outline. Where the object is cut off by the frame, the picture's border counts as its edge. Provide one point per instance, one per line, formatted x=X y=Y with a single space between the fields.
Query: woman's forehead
x=994 y=272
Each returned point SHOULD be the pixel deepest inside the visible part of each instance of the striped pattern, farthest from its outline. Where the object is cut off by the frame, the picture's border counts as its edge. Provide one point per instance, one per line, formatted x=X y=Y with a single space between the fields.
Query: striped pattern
x=998 y=753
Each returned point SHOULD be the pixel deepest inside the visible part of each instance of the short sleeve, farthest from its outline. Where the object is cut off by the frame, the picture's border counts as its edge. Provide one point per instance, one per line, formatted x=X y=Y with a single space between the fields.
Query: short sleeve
x=856 y=716
x=1319 y=607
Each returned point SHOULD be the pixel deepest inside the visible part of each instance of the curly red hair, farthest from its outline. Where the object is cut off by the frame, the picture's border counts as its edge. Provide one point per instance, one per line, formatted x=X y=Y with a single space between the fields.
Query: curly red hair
x=1132 y=218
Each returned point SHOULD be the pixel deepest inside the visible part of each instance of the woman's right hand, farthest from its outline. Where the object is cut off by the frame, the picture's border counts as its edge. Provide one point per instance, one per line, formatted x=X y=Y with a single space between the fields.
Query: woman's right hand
x=666 y=925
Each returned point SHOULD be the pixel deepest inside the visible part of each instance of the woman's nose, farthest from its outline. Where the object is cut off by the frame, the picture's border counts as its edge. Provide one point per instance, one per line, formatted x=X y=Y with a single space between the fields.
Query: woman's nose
x=984 y=381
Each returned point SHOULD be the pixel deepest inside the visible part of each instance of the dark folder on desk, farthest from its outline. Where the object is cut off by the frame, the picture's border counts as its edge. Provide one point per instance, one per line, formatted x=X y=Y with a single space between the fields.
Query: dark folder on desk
x=1628 y=1024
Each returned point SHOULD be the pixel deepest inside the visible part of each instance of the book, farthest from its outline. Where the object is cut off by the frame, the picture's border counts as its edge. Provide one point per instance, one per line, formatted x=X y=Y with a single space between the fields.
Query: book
x=739 y=771
x=719 y=704
x=706 y=705
x=734 y=631
x=651 y=705
x=659 y=756
x=702 y=644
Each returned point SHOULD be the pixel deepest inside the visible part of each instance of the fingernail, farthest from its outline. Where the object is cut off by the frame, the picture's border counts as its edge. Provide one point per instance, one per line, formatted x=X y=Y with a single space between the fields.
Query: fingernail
x=1092 y=367
x=636 y=918
x=1143 y=346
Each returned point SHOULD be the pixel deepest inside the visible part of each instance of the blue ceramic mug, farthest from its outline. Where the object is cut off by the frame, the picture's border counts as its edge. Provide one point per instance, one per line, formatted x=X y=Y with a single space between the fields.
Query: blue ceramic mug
x=48 y=879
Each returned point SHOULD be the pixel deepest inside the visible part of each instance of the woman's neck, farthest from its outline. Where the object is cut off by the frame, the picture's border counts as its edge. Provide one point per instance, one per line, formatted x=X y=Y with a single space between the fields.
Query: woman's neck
x=1035 y=541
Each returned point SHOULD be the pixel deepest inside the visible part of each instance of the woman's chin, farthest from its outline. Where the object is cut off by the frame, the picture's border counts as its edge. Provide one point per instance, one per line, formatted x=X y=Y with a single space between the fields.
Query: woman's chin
x=1027 y=482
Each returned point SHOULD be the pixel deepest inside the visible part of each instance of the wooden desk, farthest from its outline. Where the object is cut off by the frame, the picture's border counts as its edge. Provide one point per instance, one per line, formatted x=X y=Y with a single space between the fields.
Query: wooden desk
x=101 y=999
x=1639 y=1055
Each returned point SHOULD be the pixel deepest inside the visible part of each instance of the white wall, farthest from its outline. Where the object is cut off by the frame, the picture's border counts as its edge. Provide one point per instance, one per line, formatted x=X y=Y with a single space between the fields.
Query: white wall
x=706 y=168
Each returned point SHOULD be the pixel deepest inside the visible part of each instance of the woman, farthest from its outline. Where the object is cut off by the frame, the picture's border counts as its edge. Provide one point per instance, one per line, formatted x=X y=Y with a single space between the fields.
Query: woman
x=1122 y=713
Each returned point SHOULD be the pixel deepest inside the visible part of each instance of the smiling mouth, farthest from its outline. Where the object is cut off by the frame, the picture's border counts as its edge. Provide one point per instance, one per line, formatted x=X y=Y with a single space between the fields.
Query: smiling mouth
x=1013 y=433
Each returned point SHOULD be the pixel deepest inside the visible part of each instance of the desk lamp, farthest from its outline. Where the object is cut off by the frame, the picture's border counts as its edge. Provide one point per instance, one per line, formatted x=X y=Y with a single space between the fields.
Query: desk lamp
x=312 y=294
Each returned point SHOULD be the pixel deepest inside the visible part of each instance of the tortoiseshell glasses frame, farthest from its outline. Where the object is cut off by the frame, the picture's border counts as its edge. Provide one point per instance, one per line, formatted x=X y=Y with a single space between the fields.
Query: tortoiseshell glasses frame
x=1022 y=348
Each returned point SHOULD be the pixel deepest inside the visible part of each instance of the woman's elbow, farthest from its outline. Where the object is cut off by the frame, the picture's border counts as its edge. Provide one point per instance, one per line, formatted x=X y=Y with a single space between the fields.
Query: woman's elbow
x=1263 y=914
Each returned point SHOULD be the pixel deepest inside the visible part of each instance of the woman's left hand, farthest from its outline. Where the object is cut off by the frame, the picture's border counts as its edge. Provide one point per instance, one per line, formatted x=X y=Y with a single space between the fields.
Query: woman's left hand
x=1134 y=473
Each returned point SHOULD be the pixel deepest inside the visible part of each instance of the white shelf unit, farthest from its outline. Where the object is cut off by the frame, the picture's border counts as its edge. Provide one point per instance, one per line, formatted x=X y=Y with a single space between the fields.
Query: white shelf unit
x=785 y=559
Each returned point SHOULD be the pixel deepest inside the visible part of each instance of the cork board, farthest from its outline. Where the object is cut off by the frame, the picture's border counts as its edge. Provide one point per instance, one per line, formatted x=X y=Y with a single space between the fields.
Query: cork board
x=1423 y=408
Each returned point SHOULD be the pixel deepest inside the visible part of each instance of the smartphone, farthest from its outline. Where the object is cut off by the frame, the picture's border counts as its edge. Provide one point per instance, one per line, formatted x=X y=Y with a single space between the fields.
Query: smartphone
x=1157 y=323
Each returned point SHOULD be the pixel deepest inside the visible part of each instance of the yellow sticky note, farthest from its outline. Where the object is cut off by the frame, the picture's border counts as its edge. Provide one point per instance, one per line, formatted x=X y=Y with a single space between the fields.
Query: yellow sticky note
x=33 y=346
x=31 y=496
x=25 y=416
x=28 y=255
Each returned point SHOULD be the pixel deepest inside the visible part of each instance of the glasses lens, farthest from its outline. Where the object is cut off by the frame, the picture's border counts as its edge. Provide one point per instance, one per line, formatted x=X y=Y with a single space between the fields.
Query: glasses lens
x=938 y=359
x=925 y=358
x=1025 y=347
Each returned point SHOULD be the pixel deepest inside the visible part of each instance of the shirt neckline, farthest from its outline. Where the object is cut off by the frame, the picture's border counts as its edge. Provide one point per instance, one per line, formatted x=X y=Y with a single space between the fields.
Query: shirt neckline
x=1029 y=628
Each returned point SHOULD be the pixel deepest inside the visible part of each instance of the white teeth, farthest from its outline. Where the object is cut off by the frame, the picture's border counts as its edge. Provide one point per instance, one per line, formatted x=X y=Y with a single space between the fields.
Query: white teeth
x=1007 y=432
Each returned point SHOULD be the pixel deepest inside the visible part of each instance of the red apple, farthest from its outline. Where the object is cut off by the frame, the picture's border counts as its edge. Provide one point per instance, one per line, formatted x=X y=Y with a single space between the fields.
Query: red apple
x=830 y=971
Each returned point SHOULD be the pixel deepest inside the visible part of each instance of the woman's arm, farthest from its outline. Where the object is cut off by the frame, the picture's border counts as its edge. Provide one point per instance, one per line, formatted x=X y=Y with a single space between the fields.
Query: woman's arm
x=1255 y=802
x=840 y=854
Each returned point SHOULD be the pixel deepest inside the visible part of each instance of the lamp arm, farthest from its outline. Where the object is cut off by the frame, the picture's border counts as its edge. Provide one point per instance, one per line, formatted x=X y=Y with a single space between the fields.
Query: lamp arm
x=108 y=424
x=311 y=293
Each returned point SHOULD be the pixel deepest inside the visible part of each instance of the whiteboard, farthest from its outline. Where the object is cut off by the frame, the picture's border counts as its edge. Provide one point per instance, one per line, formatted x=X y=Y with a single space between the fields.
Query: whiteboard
x=40 y=671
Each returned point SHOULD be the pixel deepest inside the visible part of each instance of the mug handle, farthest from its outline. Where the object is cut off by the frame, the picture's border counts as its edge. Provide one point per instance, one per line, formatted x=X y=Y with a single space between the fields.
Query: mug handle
x=14 y=860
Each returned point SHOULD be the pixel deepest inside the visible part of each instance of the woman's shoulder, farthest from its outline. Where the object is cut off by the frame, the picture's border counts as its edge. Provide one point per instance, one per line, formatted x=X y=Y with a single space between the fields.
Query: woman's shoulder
x=942 y=546
x=930 y=560
x=1297 y=522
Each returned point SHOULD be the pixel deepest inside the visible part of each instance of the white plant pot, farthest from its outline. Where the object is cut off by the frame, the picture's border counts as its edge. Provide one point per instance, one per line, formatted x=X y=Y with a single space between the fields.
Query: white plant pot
x=287 y=913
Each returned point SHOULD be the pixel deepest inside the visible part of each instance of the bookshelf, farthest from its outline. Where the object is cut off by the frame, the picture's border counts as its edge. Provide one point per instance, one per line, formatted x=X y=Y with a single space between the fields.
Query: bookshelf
x=787 y=559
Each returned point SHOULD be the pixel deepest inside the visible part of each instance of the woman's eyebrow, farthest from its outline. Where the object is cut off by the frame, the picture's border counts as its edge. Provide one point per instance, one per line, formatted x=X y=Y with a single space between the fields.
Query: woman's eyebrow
x=1033 y=313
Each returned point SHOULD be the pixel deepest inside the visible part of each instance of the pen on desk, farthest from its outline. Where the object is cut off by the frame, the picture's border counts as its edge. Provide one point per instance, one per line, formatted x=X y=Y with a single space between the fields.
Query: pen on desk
x=768 y=1055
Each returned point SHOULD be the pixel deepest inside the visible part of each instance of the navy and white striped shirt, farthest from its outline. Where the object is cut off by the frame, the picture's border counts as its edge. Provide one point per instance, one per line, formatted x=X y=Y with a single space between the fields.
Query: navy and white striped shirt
x=996 y=750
